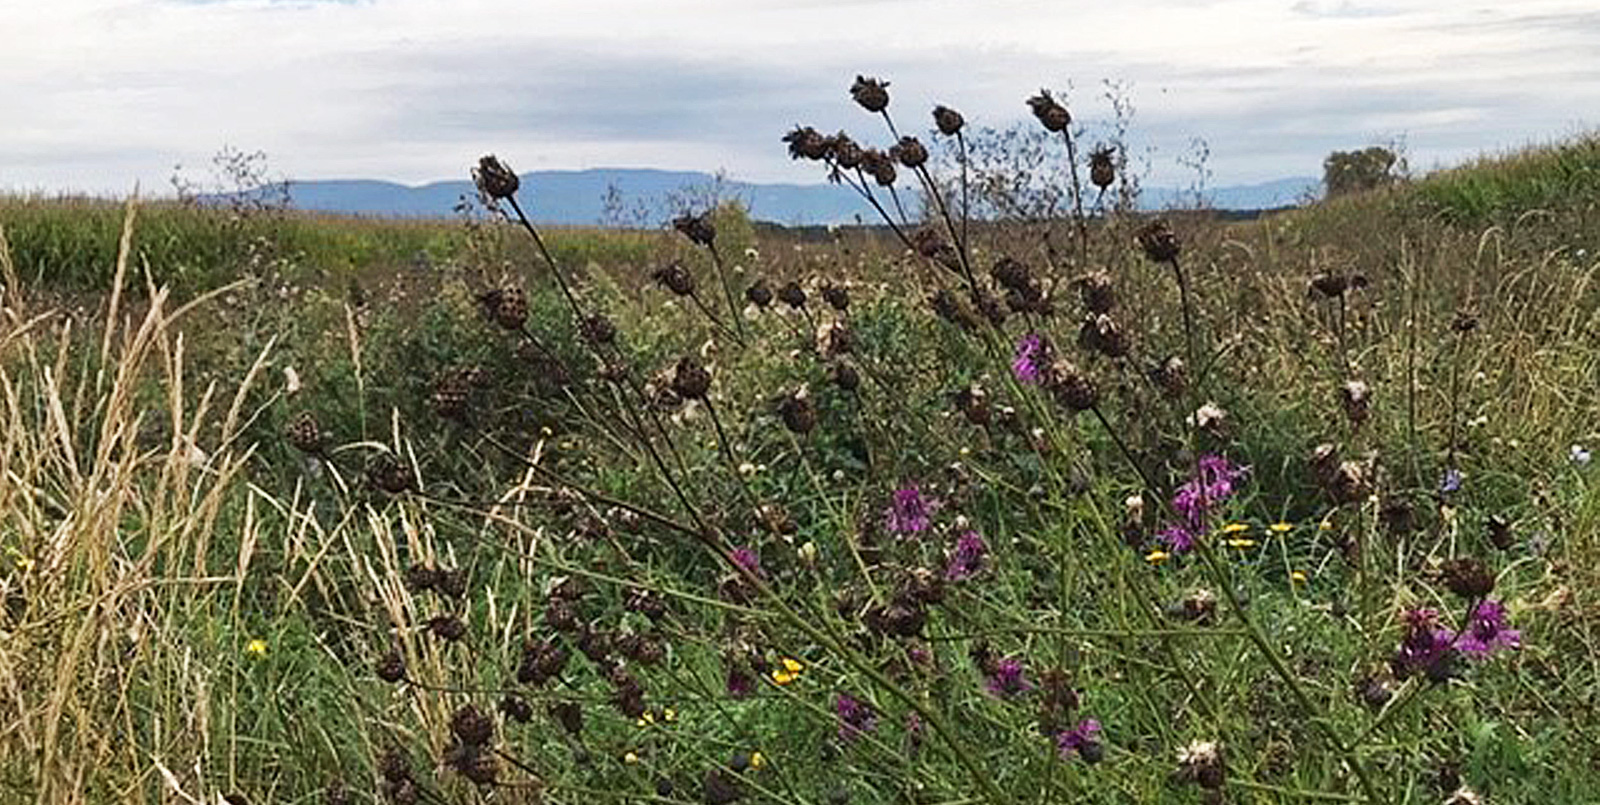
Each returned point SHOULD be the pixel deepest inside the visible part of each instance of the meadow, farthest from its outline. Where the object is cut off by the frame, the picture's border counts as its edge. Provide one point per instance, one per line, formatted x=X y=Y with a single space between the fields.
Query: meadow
x=1098 y=506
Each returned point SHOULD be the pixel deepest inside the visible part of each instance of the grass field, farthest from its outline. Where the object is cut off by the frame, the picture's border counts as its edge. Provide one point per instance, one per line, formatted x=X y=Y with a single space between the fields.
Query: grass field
x=298 y=508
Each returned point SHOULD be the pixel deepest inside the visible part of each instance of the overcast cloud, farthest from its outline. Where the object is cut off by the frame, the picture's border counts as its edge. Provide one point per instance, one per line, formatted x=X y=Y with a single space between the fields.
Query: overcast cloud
x=99 y=94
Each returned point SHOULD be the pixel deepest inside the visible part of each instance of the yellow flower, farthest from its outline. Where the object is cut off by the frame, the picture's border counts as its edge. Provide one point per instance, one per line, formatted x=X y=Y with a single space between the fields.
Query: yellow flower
x=789 y=672
x=1157 y=556
x=647 y=719
x=1241 y=543
x=257 y=646
x=1326 y=525
x=757 y=760
x=669 y=715
x=1235 y=528
x=1281 y=528
x=630 y=758
x=1298 y=577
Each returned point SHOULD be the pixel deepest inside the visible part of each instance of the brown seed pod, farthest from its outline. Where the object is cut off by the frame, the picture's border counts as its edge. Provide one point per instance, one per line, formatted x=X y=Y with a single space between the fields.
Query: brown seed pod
x=806 y=142
x=304 y=434
x=690 y=380
x=872 y=94
x=675 y=278
x=909 y=152
x=494 y=179
x=1159 y=242
x=1468 y=578
x=697 y=228
x=947 y=120
x=1013 y=274
x=1051 y=114
x=1172 y=376
x=1329 y=286
x=516 y=708
x=1101 y=333
x=1103 y=167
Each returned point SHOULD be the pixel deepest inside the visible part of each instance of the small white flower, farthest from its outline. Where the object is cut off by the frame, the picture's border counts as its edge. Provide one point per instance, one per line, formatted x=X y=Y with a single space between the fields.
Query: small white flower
x=1579 y=455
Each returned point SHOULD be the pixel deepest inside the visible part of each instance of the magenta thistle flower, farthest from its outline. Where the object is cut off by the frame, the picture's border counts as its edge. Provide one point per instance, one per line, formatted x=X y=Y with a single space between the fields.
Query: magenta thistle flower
x=1083 y=739
x=1007 y=679
x=1215 y=480
x=1426 y=647
x=855 y=716
x=967 y=558
x=1028 y=365
x=747 y=560
x=909 y=512
x=1487 y=631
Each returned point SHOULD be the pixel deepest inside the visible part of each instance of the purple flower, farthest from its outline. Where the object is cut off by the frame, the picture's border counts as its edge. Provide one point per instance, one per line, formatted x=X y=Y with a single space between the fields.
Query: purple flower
x=740 y=683
x=968 y=556
x=909 y=512
x=855 y=716
x=1027 y=366
x=1079 y=739
x=747 y=560
x=1451 y=482
x=1215 y=480
x=1007 y=680
x=1426 y=647
x=1486 y=631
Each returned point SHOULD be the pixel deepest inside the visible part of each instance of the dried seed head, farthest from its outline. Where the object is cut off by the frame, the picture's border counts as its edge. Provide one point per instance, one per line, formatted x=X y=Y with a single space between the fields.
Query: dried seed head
x=1012 y=274
x=394 y=766
x=1159 y=242
x=792 y=294
x=1199 y=606
x=451 y=393
x=1374 y=691
x=1099 y=295
x=542 y=661
x=516 y=708
x=872 y=94
x=510 y=308
x=471 y=726
x=1329 y=286
x=930 y=244
x=1103 y=167
x=421 y=577
x=569 y=715
x=447 y=627
x=759 y=294
x=451 y=583
x=385 y=472
x=697 y=228
x=1051 y=114
x=648 y=604
x=391 y=667
x=690 y=380
x=1172 y=376
x=806 y=142
x=1210 y=418
x=990 y=307
x=675 y=278
x=1356 y=398
x=880 y=165
x=1349 y=482
x=777 y=520
x=835 y=339
x=1464 y=322
x=598 y=330
x=836 y=296
x=1071 y=387
x=473 y=762
x=797 y=413
x=494 y=179
x=973 y=402
x=1201 y=762
x=1468 y=578
x=846 y=153
x=909 y=152
x=1102 y=334
x=948 y=121
x=1500 y=535
x=304 y=433
x=846 y=377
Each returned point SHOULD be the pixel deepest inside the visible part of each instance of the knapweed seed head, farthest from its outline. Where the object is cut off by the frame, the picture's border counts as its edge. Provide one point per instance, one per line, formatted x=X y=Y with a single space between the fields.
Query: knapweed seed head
x=1499 y=531
x=471 y=726
x=909 y=152
x=880 y=165
x=1356 y=398
x=836 y=296
x=675 y=278
x=872 y=94
x=1103 y=166
x=699 y=229
x=792 y=295
x=1159 y=242
x=1101 y=333
x=845 y=377
x=759 y=294
x=1468 y=578
x=1201 y=763
x=947 y=120
x=1050 y=113
x=806 y=142
x=797 y=412
x=515 y=708
x=1098 y=292
x=391 y=667
x=598 y=330
x=847 y=154
x=1172 y=375
x=495 y=180
x=690 y=379
x=304 y=434
x=388 y=474
x=1071 y=387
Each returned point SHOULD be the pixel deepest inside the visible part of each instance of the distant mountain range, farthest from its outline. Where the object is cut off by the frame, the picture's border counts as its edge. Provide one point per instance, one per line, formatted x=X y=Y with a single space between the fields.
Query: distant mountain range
x=647 y=197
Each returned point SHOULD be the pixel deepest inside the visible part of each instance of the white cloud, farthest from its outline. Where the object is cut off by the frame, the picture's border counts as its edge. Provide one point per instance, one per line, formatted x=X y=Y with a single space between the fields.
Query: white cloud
x=101 y=93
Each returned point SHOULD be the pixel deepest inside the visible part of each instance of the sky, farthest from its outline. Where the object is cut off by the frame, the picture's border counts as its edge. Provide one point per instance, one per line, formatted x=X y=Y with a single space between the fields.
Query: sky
x=102 y=95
